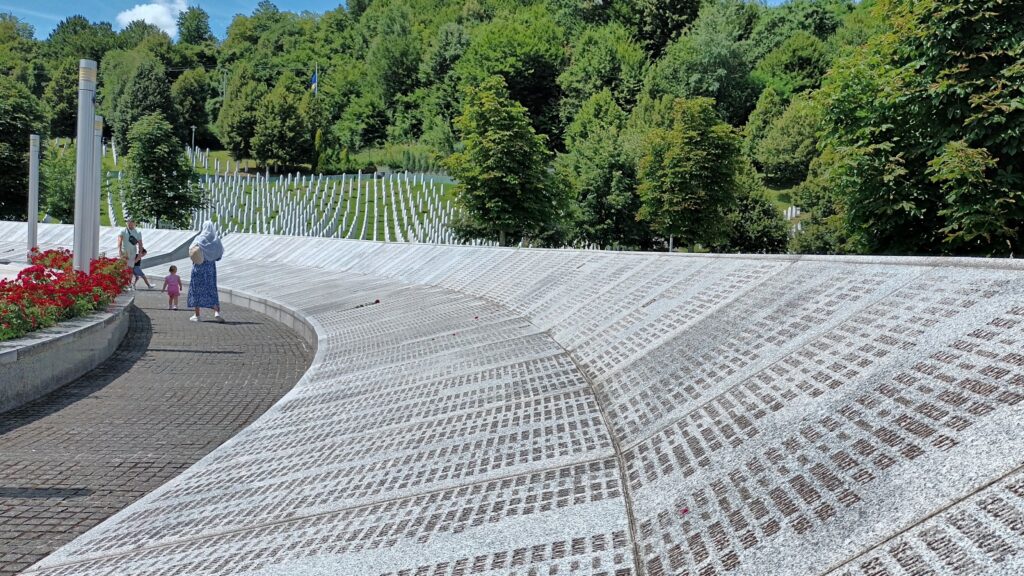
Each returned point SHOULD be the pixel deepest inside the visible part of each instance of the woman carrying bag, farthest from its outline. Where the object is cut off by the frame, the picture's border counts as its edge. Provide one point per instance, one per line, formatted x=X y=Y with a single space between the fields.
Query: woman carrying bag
x=206 y=249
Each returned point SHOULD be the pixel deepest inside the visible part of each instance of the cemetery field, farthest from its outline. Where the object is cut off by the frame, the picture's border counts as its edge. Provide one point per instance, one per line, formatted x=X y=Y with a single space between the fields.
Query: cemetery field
x=395 y=207
x=391 y=207
x=399 y=207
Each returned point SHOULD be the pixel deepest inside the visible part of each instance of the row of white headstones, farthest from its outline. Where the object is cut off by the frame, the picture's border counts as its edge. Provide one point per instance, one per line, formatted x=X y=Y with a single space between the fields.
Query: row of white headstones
x=412 y=205
x=400 y=207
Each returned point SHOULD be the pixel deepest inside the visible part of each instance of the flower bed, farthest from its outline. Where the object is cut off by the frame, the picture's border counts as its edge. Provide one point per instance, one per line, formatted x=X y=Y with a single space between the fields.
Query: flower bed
x=49 y=291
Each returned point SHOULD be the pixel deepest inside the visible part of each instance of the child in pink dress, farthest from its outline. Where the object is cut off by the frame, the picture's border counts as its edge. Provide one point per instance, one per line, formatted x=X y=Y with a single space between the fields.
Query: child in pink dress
x=172 y=285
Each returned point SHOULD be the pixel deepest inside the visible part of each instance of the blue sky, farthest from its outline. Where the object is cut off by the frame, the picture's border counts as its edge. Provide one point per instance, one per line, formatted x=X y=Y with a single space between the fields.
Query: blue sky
x=45 y=14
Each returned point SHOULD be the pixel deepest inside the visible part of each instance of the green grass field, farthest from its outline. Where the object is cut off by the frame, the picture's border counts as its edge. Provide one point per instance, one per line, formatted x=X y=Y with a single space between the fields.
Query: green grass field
x=781 y=197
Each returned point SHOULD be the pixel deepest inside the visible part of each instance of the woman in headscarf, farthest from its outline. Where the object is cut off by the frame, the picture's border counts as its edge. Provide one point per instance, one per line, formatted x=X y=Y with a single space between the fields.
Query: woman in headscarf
x=202 y=289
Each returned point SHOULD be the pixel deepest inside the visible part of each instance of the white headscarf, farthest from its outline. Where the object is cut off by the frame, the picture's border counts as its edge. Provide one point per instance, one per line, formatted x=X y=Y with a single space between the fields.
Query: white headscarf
x=209 y=243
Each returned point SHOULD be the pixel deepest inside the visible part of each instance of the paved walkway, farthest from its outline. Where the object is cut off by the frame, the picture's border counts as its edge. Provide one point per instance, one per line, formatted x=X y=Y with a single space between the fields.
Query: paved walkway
x=170 y=394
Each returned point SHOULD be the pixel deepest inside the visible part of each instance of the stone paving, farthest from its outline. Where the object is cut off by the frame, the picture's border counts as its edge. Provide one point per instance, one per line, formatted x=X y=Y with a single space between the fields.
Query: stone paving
x=495 y=412
x=171 y=393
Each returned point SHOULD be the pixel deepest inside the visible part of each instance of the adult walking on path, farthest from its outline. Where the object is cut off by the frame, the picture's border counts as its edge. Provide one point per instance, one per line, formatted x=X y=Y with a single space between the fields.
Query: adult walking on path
x=202 y=288
x=129 y=242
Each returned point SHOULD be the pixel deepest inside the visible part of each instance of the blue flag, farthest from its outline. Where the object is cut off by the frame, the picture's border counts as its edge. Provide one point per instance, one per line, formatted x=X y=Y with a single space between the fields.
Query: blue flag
x=313 y=82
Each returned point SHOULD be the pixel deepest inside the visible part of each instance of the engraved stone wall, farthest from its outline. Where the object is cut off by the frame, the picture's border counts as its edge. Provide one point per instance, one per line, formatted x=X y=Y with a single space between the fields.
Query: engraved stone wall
x=542 y=412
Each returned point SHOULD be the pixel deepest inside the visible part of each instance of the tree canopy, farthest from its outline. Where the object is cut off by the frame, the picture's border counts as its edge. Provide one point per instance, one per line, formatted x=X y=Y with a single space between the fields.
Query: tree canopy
x=160 y=184
x=688 y=174
x=504 y=188
x=926 y=130
x=895 y=125
x=20 y=116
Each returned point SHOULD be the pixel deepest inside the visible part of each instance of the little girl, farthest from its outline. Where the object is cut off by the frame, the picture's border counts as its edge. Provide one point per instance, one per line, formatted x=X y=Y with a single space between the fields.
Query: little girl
x=172 y=285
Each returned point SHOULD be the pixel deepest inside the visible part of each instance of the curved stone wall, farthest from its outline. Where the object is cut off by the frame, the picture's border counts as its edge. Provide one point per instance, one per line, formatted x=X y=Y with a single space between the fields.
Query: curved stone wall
x=159 y=243
x=504 y=411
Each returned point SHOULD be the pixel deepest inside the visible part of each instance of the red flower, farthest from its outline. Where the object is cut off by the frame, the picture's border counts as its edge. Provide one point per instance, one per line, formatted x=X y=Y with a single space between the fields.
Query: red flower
x=50 y=291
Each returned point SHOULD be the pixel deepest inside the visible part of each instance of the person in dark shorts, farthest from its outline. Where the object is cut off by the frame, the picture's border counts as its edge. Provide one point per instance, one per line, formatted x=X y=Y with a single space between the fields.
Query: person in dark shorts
x=137 y=271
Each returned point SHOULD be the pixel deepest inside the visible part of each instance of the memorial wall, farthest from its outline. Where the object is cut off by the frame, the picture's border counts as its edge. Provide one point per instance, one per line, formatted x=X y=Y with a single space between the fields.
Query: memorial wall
x=476 y=410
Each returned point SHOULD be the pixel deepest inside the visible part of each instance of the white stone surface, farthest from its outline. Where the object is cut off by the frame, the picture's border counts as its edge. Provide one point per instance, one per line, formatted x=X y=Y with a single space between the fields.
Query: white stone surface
x=768 y=415
x=13 y=234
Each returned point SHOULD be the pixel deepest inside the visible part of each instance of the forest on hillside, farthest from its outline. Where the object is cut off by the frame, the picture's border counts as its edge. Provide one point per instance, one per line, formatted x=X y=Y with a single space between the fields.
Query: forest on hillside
x=897 y=126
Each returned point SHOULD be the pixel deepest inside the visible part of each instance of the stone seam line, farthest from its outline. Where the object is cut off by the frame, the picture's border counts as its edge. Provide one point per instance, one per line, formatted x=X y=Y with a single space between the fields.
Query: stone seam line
x=900 y=532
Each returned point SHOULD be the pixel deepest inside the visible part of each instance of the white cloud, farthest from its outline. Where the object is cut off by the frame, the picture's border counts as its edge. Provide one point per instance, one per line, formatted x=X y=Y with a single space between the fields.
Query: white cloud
x=163 y=14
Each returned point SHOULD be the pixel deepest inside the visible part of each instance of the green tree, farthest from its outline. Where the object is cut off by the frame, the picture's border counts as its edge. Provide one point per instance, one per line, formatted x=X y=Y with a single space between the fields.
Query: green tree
x=159 y=185
x=357 y=7
x=136 y=33
x=940 y=93
x=859 y=26
x=443 y=52
x=604 y=57
x=363 y=124
x=75 y=38
x=20 y=54
x=576 y=16
x=189 y=94
x=824 y=228
x=791 y=142
x=977 y=212
x=770 y=105
x=57 y=183
x=20 y=116
x=146 y=92
x=688 y=175
x=656 y=23
x=194 y=27
x=820 y=18
x=756 y=226
x=798 y=64
x=61 y=99
x=118 y=67
x=524 y=48
x=504 y=189
x=281 y=136
x=14 y=26
x=236 y=122
x=393 y=56
x=439 y=101
x=601 y=177
x=711 y=60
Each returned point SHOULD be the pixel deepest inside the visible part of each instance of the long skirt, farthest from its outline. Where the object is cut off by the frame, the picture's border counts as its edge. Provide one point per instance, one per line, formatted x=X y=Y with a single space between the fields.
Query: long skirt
x=202 y=290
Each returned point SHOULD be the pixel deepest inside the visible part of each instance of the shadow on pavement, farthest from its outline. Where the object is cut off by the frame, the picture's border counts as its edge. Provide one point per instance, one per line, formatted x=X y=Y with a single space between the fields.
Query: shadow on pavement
x=133 y=347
